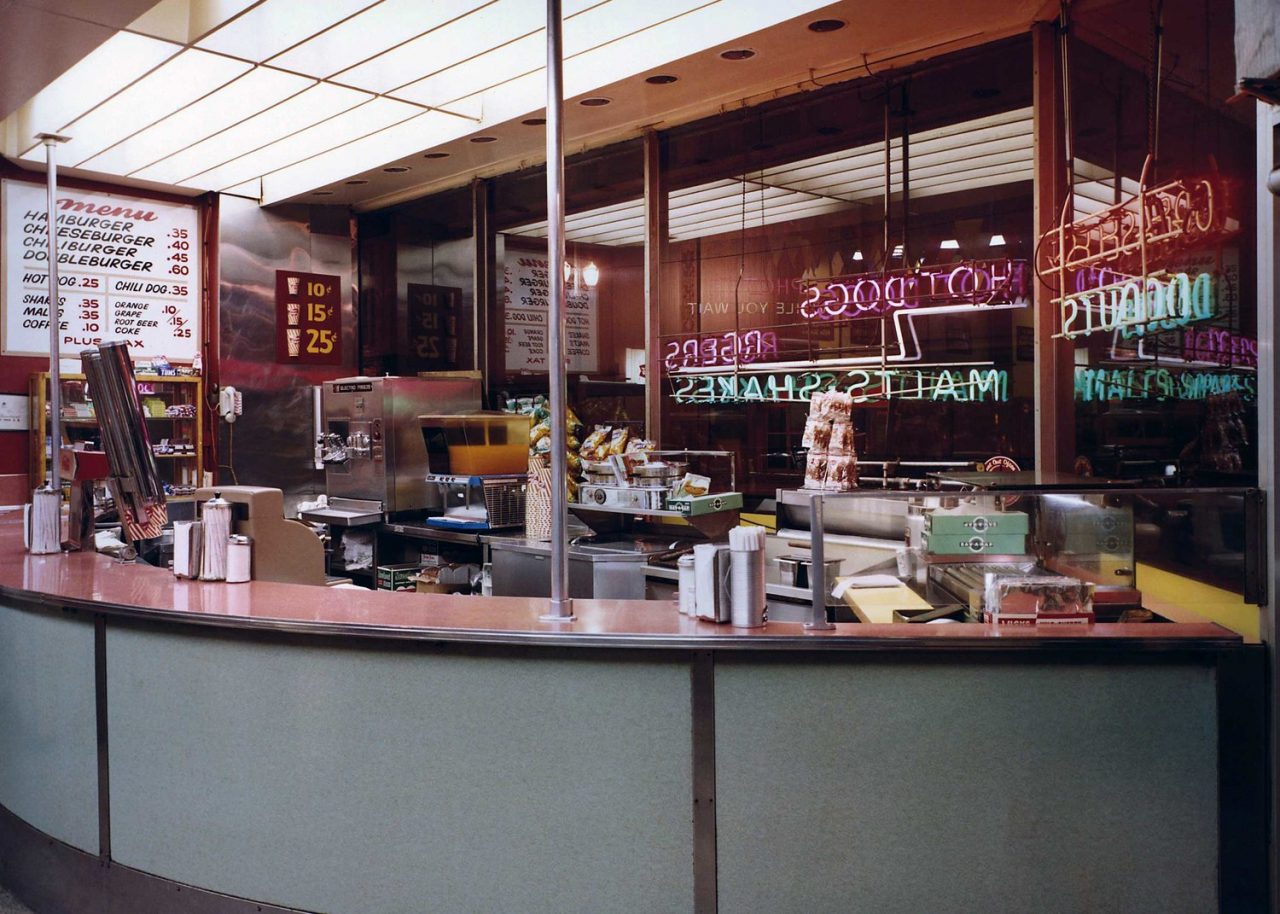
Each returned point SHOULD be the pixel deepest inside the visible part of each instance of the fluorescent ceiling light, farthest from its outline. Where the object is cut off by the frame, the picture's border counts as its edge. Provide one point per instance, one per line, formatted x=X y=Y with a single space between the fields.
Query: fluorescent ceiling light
x=897 y=250
x=258 y=89
x=371 y=33
x=187 y=77
x=304 y=110
x=582 y=32
x=476 y=32
x=274 y=25
x=119 y=61
x=347 y=127
x=326 y=165
x=997 y=240
x=857 y=255
x=185 y=21
x=950 y=244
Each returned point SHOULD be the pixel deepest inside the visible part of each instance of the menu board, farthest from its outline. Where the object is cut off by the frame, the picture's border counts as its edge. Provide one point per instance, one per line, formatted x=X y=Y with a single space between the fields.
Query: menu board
x=527 y=306
x=308 y=318
x=128 y=269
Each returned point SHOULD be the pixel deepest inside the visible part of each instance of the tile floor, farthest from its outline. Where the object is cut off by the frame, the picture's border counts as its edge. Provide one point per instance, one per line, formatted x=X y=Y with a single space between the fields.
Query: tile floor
x=11 y=905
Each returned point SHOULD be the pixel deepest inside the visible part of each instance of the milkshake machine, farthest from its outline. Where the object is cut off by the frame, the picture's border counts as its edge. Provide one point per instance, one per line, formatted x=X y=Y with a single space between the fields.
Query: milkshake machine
x=372 y=448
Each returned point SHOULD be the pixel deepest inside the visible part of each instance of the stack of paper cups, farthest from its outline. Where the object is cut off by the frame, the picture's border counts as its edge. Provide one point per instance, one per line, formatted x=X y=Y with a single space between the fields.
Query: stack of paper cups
x=43 y=522
x=747 y=599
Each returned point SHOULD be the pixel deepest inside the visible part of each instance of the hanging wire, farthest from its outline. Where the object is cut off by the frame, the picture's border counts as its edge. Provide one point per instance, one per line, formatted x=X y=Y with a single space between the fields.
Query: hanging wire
x=1153 y=96
x=1068 y=125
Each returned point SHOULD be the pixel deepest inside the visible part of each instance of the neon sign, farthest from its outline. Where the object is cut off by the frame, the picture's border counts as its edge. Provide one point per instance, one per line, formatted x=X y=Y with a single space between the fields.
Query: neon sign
x=975 y=283
x=1136 y=307
x=1096 y=384
x=720 y=349
x=976 y=385
x=1181 y=213
x=1222 y=347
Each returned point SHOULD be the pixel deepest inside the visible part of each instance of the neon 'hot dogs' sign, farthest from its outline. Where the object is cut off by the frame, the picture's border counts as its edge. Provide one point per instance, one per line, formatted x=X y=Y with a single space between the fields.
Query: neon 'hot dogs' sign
x=975 y=283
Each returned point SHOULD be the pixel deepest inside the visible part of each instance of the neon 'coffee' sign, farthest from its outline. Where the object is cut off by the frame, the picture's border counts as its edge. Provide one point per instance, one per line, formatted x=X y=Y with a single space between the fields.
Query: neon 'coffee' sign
x=973 y=385
x=1132 y=244
x=1221 y=347
x=973 y=283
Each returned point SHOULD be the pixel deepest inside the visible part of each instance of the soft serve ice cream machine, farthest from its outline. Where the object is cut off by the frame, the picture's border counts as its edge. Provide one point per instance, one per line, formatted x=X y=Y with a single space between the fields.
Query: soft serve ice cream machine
x=371 y=442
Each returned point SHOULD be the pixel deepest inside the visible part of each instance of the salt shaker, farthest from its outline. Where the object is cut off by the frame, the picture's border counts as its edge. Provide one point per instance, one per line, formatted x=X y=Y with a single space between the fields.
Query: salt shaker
x=215 y=522
x=239 y=558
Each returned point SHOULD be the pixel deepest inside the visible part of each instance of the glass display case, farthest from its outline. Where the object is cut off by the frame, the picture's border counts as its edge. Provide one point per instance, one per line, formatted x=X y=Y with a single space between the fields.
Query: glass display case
x=1132 y=554
x=173 y=409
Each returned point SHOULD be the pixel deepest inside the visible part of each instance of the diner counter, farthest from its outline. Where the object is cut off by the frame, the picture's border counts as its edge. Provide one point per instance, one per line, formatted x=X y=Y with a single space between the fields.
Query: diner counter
x=177 y=747
x=99 y=583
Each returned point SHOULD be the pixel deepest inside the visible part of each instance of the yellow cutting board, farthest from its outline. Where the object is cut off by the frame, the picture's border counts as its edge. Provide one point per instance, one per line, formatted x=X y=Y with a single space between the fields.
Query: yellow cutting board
x=877 y=604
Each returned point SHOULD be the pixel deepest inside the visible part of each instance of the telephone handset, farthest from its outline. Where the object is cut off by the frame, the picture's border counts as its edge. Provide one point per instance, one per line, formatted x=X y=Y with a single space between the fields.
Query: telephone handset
x=230 y=404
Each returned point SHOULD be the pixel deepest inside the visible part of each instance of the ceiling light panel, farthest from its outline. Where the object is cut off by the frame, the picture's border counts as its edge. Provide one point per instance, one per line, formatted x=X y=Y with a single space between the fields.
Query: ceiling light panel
x=674 y=37
x=271 y=27
x=119 y=61
x=257 y=90
x=487 y=27
x=582 y=32
x=181 y=81
x=185 y=21
x=339 y=161
x=371 y=33
x=304 y=110
x=347 y=127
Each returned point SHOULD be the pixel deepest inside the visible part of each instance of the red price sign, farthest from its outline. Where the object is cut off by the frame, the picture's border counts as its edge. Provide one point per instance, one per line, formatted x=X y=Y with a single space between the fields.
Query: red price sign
x=308 y=318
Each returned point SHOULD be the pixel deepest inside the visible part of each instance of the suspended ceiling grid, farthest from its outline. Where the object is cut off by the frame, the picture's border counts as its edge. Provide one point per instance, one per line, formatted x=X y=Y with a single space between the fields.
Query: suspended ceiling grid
x=286 y=99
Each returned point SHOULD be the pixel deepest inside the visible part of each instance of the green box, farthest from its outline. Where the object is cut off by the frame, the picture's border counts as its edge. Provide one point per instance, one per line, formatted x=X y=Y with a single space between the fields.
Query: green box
x=954 y=522
x=976 y=544
x=696 y=506
x=398 y=577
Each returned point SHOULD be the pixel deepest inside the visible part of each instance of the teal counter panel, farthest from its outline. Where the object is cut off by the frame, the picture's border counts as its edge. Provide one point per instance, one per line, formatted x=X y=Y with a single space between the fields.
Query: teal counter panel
x=348 y=780
x=905 y=788
x=48 y=729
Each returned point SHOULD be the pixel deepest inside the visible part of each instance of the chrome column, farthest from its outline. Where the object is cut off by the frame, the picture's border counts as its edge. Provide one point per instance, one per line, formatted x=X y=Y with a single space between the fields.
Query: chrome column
x=561 y=606
x=51 y=140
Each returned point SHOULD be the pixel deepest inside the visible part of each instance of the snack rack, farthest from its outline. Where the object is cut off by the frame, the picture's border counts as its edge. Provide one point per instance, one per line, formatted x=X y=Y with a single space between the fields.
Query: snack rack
x=713 y=514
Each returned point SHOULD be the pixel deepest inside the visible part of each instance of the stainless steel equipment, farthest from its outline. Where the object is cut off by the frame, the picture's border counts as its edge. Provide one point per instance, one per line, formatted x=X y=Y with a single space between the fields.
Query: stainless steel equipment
x=611 y=569
x=372 y=446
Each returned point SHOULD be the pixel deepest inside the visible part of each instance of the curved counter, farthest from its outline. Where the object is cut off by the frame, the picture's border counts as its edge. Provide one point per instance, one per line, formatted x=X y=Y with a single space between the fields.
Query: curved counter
x=175 y=746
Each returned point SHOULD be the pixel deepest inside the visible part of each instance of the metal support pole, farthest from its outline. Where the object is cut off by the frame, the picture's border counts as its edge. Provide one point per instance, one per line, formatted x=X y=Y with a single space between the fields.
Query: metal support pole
x=561 y=606
x=655 y=227
x=55 y=315
x=817 y=569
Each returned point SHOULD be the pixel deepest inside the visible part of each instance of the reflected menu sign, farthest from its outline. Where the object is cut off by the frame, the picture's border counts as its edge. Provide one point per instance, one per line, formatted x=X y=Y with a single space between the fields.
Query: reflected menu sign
x=527 y=311
x=308 y=318
x=128 y=269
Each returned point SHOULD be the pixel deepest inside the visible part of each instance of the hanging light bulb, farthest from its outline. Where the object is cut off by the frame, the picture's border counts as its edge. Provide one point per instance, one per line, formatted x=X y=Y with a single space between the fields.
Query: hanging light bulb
x=857 y=255
x=591 y=274
x=997 y=240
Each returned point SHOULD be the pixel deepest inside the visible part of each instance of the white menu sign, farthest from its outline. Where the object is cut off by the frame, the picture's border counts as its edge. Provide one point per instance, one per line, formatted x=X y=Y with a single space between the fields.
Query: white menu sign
x=527 y=305
x=128 y=269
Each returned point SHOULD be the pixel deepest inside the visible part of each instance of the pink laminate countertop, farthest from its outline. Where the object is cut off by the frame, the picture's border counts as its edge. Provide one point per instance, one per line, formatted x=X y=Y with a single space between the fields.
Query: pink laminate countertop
x=99 y=583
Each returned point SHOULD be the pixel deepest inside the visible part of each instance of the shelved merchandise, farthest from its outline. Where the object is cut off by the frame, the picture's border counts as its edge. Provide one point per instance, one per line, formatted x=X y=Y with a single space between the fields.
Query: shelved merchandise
x=175 y=425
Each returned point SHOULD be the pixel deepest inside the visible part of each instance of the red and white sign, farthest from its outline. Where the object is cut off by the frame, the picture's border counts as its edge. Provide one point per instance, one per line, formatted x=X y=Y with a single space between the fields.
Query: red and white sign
x=128 y=269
